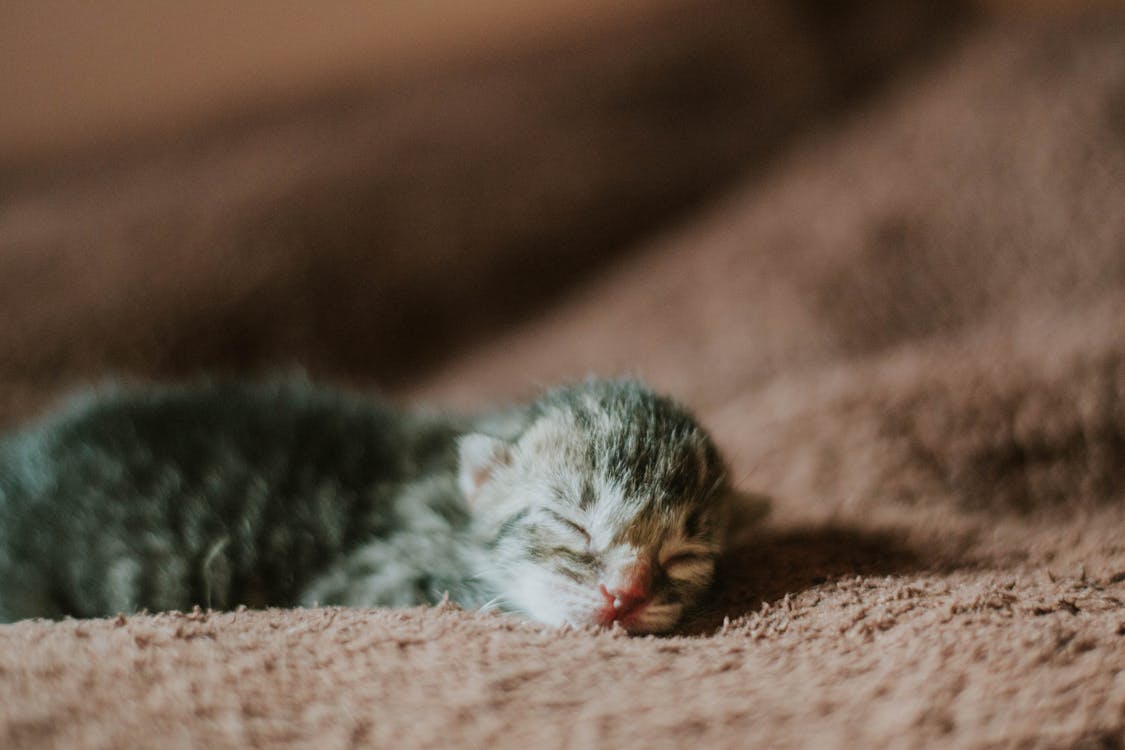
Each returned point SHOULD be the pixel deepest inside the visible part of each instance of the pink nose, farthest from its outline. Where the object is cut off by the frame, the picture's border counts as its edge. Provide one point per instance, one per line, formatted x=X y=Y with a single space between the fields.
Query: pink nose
x=625 y=599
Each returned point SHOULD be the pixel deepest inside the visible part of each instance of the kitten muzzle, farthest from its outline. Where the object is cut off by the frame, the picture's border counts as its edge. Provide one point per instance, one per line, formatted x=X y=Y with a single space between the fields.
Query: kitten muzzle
x=626 y=601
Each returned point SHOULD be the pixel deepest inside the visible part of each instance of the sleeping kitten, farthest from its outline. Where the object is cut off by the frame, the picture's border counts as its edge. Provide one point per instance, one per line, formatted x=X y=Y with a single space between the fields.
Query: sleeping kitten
x=598 y=503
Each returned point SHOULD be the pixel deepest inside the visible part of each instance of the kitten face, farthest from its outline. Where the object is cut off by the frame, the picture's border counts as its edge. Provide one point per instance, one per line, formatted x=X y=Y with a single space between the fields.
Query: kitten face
x=609 y=508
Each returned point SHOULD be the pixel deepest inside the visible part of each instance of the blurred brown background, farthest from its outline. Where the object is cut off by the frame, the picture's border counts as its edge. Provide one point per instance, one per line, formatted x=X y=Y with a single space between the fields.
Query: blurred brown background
x=367 y=189
x=362 y=188
x=76 y=75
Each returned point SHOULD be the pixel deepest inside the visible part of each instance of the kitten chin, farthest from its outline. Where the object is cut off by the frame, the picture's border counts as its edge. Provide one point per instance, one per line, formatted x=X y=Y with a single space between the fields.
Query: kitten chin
x=541 y=595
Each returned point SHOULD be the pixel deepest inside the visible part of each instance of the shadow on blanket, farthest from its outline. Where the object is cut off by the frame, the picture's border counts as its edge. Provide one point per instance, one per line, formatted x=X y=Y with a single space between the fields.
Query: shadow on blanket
x=780 y=563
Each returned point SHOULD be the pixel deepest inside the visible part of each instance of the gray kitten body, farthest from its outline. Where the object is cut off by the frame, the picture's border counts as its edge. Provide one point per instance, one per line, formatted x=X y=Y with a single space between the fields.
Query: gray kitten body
x=599 y=502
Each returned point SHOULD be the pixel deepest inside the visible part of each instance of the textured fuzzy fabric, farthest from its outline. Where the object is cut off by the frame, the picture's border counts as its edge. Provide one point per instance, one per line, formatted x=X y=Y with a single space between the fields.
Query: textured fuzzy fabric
x=909 y=330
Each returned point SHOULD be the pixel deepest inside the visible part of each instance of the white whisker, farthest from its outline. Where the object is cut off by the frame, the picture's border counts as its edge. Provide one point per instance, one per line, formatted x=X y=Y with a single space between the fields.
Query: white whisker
x=490 y=604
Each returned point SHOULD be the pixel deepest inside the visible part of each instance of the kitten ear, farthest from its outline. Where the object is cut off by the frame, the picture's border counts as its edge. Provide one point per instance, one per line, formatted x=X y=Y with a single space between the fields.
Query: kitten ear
x=479 y=456
x=746 y=510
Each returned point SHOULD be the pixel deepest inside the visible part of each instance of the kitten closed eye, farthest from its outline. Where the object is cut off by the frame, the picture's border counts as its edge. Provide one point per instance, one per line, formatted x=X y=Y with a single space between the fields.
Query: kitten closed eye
x=687 y=563
x=572 y=525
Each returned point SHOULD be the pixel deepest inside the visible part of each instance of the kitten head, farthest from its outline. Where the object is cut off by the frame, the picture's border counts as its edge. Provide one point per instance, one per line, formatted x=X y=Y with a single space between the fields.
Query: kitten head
x=610 y=506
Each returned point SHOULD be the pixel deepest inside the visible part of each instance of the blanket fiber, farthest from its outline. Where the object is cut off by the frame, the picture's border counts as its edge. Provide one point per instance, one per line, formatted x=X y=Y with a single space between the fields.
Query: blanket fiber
x=889 y=276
